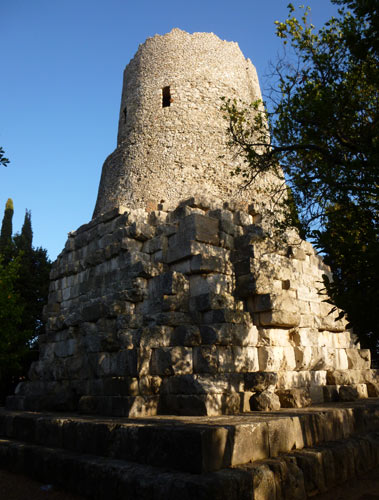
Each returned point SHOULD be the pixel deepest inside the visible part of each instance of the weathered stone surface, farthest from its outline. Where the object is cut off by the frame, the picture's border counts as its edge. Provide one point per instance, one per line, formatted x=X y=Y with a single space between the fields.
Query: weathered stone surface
x=270 y=358
x=358 y=359
x=205 y=359
x=279 y=318
x=201 y=228
x=260 y=381
x=310 y=462
x=186 y=335
x=289 y=478
x=294 y=398
x=264 y=401
x=352 y=392
x=373 y=389
x=171 y=361
x=203 y=404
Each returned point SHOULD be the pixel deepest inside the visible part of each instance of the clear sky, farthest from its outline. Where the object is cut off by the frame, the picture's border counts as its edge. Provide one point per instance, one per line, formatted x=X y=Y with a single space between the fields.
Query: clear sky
x=60 y=88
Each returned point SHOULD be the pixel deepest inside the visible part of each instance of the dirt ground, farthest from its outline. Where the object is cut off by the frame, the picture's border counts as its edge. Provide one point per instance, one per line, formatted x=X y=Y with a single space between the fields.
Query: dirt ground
x=17 y=487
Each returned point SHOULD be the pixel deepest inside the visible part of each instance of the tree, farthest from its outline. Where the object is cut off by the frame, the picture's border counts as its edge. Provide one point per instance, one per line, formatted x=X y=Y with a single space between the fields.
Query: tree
x=26 y=237
x=320 y=128
x=33 y=280
x=6 y=231
x=24 y=294
x=13 y=344
x=351 y=246
x=3 y=160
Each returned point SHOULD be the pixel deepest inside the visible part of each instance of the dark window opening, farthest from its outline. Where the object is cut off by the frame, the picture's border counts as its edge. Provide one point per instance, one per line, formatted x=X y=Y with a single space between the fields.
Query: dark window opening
x=124 y=111
x=166 y=97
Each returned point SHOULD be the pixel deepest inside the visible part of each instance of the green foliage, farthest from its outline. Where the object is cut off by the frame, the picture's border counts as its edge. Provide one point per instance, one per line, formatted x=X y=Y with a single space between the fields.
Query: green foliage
x=13 y=341
x=6 y=231
x=320 y=129
x=351 y=246
x=3 y=160
x=24 y=272
x=26 y=237
x=10 y=315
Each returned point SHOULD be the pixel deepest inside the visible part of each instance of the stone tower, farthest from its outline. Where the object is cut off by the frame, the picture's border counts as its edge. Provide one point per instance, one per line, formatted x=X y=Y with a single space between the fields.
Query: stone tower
x=172 y=299
x=171 y=134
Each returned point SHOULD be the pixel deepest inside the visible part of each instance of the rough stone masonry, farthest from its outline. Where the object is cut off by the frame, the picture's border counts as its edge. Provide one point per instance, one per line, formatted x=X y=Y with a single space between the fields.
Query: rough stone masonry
x=173 y=299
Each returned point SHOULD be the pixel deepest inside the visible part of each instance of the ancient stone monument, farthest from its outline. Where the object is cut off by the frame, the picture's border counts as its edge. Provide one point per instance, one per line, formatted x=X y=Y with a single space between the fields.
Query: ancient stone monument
x=172 y=299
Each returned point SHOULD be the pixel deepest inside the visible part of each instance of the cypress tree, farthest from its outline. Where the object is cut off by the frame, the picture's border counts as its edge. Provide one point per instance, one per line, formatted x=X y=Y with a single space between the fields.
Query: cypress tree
x=26 y=231
x=6 y=232
x=24 y=240
x=33 y=281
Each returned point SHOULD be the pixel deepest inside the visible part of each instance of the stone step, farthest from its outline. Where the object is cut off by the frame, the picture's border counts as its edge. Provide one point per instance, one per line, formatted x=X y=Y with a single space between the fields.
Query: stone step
x=295 y=475
x=194 y=444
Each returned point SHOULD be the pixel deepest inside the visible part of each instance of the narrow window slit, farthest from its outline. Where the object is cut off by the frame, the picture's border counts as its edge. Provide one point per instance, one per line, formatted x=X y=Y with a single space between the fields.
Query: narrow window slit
x=124 y=111
x=166 y=97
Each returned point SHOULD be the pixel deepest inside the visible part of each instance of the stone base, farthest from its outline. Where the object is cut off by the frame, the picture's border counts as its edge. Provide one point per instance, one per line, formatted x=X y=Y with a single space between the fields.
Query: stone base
x=285 y=454
x=174 y=312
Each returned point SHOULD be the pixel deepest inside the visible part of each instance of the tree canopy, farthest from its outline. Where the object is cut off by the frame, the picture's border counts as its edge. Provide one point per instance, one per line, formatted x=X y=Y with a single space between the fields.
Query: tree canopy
x=320 y=127
x=6 y=231
x=24 y=280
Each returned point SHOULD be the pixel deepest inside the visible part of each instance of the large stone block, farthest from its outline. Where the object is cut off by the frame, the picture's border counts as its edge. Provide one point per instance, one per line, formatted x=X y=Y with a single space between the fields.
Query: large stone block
x=285 y=435
x=229 y=334
x=186 y=335
x=245 y=266
x=352 y=392
x=246 y=286
x=358 y=359
x=225 y=359
x=289 y=359
x=201 y=228
x=245 y=359
x=210 y=300
x=270 y=358
x=372 y=389
x=171 y=361
x=207 y=264
x=156 y=336
x=259 y=381
x=227 y=316
x=276 y=337
x=200 y=405
x=294 y=398
x=205 y=359
x=219 y=383
x=279 y=318
x=307 y=337
x=263 y=481
x=116 y=364
x=169 y=283
x=211 y=283
x=266 y=400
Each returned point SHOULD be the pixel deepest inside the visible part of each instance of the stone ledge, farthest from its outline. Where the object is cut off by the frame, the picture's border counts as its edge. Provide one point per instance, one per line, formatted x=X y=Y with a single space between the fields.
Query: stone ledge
x=297 y=475
x=194 y=444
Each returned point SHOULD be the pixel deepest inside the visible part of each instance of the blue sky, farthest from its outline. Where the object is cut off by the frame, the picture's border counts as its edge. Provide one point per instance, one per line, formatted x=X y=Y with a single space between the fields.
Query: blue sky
x=60 y=88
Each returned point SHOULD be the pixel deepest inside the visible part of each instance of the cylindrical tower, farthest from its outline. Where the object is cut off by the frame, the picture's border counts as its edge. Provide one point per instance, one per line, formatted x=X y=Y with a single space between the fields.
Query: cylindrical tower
x=172 y=141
